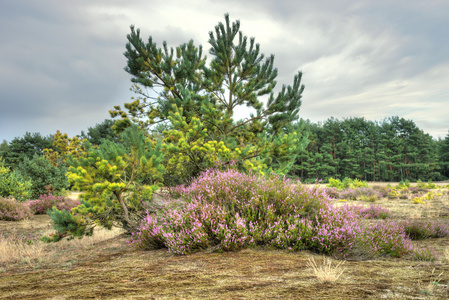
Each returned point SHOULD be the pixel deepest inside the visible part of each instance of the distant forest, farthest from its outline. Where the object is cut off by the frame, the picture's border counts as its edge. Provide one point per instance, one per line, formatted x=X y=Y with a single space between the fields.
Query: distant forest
x=394 y=149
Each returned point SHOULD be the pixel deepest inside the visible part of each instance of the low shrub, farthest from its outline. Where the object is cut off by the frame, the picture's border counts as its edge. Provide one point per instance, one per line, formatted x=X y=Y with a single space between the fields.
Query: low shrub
x=382 y=191
x=374 y=212
x=394 y=194
x=66 y=224
x=11 y=210
x=230 y=210
x=332 y=192
x=384 y=238
x=13 y=184
x=354 y=194
x=419 y=230
x=347 y=183
x=403 y=185
x=424 y=254
x=47 y=201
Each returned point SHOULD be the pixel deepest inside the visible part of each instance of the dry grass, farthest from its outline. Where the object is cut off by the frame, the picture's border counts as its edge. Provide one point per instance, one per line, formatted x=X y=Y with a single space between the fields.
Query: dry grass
x=15 y=249
x=105 y=267
x=326 y=273
x=432 y=285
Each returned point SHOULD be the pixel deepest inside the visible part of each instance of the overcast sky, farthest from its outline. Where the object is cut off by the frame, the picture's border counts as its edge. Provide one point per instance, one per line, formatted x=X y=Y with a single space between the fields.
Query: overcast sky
x=61 y=62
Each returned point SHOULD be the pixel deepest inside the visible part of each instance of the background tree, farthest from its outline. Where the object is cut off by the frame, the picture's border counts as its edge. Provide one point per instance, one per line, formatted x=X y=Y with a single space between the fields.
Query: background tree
x=63 y=147
x=44 y=176
x=100 y=131
x=443 y=151
x=3 y=148
x=26 y=146
x=198 y=101
x=392 y=150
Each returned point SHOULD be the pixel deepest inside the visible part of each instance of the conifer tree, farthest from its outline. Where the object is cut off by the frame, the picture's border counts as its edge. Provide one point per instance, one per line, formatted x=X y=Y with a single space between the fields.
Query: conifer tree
x=117 y=179
x=444 y=156
x=198 y=101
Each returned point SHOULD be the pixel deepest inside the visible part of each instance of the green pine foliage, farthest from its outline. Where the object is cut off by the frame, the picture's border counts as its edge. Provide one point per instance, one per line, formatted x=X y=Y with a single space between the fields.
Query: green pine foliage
x=25 y=147
x=392 y=150
x=117 y=179
x=13 y=184
x=43 y=176
x=66 y=224
x=192 y=103
x=443 y=151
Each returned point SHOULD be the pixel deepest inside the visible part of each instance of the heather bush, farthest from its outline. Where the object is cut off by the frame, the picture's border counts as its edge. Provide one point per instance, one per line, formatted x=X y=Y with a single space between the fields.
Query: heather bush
x=335 y=230
x=374 y=212
x=230 y=210
x=419 y=230
x=47 y=201
x=11 y=210
x=332 y=192
x=354 y=194
x=384 y=238
x=424 y=254
x=382 y=191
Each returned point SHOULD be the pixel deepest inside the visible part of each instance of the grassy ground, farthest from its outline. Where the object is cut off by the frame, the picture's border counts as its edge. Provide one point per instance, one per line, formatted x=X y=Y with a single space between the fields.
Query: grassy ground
x=105 y=267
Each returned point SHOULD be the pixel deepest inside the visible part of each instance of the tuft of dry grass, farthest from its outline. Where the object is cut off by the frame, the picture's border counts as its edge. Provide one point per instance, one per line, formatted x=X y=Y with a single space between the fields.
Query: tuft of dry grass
x=446 y=253
x=326 y=273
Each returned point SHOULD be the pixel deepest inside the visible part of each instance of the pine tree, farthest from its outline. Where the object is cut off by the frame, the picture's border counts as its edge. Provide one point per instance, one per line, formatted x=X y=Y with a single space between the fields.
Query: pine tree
x=443 y=152
x=117 y=179
x=198 y=101
x=26 y=146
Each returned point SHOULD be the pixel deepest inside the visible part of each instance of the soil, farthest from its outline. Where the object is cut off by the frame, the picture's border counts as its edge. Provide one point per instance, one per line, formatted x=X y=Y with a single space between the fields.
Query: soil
x=111 y=269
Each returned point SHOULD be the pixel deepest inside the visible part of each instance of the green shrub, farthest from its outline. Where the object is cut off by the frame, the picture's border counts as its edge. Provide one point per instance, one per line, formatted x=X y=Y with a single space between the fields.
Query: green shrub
x=336 y=183
x=358 y=183
x=347 y=183
x=13 y=184
x=403 y=185
x=66 y=223
x=43 y=175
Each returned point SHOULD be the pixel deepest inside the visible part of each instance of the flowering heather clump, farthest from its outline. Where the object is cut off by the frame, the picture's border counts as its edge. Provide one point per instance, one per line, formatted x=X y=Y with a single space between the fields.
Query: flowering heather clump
x=46 y=202
x=425 y=254
x=353 y=194
x=374 y=212
x=384 y=238
x=230 y=210
x=332 y=192
x=233 y=210
x=336 y=230
x=418 y=230
x=11 y=210
x=383 y=192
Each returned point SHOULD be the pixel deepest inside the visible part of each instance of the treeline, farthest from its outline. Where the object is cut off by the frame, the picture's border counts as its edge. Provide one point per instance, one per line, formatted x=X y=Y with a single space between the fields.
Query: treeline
x=394 y=149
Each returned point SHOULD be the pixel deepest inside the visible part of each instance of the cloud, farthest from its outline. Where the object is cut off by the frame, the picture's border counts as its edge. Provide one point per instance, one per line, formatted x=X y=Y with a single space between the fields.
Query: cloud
x=62 y=62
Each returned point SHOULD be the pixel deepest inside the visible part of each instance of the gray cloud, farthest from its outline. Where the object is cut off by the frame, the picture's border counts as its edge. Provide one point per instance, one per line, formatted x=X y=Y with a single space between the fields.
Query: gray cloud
x=62 y=62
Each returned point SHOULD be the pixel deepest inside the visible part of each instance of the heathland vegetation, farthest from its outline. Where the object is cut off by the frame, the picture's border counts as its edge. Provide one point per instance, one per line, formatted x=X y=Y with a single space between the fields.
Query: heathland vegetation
x=176 y=172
